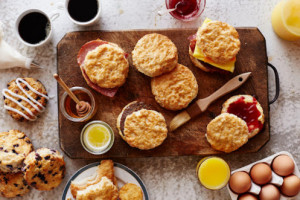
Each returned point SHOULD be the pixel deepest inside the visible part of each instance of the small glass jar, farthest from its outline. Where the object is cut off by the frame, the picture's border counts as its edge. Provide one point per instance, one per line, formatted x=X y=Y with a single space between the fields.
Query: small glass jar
x=68 y=106
x=187 y=10
x=105 y=148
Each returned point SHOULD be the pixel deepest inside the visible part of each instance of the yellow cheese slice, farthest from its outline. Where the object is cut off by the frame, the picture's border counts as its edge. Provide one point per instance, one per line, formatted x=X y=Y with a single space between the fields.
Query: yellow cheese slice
x=200 y=56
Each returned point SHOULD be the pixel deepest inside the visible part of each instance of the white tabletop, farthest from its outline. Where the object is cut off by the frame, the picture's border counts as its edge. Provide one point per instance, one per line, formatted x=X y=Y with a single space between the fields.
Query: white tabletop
x=169 y=177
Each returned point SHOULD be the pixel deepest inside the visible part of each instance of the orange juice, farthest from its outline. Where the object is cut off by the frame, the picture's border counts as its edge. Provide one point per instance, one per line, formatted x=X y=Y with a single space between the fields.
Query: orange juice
x=286 y=19
x=213 y=172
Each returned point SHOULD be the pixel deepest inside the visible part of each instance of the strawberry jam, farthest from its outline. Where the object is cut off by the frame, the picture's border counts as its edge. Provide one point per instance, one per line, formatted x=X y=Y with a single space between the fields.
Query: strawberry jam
x=247 y=111
x=186 y=9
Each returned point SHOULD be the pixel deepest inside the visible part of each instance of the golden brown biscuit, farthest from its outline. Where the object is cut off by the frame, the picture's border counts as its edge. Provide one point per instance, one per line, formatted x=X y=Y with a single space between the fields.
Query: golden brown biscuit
x=104 y=190
x=130 y=191
x=14 y=147
x=145 y=129
x=218 y=41
x=176 y=89
x=13 y=185
x=154 y=54
x=25 y=99
x=105 y=169
x=106 y=66
x=227 y=133
x=254 y=125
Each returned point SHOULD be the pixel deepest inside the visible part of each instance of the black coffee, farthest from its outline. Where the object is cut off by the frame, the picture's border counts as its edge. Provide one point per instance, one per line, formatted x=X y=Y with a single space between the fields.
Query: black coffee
x=34 y=27
x=83 y=10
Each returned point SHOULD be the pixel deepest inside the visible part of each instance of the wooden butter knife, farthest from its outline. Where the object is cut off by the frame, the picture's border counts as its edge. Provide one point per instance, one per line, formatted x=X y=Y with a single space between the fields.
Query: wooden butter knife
x=201 y=104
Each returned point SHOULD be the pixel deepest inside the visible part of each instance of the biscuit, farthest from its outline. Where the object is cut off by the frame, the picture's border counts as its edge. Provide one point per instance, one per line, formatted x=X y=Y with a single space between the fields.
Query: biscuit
x=44 y=169
x=25 y=99
x=106 y=66
x=104 y=190
x=145 y=129
x=154 y=54
x=254 y=126
x=14 y=147
x=130 y=191
x=227 y=133
x=128 y=110
x=176 y=89
x=13 y=185
x=218 y=41
x=105 y=169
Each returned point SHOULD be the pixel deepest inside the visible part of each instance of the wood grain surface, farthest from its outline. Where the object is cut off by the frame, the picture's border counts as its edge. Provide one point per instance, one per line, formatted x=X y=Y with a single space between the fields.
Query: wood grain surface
x=188 y=139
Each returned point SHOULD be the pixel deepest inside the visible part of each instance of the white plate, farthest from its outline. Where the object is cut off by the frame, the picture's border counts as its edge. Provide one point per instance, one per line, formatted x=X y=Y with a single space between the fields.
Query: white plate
x=122 y=173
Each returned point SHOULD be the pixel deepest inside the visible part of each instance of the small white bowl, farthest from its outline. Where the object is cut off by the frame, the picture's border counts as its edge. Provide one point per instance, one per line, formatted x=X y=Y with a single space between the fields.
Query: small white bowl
x=88 y=23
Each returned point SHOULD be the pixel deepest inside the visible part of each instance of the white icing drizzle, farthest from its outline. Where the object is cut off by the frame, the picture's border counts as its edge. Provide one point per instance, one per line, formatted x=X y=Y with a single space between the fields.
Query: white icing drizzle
x=29 y=100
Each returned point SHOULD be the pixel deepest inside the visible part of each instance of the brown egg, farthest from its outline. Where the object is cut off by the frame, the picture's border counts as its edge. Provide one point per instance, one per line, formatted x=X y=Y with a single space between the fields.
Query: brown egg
x=247 y=197
x=261 y=173
x=283 y=165
x=290 y=186
x=240 y=182
x=269 y=192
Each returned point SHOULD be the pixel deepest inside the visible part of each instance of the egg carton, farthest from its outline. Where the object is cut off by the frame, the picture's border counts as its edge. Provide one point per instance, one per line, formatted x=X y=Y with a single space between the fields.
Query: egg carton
x=276 y=180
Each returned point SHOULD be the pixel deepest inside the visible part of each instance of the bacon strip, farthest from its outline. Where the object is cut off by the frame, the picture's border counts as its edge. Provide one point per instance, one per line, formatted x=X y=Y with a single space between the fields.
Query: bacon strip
x=89 y=46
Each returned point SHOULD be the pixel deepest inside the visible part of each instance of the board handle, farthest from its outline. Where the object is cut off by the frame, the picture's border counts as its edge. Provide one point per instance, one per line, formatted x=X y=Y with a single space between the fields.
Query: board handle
x=277 y=84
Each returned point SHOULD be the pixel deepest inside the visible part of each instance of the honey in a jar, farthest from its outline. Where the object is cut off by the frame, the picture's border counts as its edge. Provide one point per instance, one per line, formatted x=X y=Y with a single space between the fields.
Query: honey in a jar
x=70 y=104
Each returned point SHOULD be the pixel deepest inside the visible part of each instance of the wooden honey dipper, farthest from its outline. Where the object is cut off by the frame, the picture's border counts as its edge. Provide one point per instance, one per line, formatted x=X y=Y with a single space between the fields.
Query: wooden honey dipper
x=82 y=107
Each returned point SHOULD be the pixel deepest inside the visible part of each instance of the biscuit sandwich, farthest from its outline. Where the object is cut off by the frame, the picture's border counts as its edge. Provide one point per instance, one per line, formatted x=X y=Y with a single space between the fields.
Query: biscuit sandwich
x=176 y=89
x=214 y=47
x=247 y=108
x=154 y=54
x=104 y=66
x=141 y=126
x=227 y=133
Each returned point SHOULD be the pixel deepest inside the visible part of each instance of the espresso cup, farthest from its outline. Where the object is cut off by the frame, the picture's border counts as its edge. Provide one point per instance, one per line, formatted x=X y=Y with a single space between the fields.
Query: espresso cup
x=84 y=8
x=31 y=34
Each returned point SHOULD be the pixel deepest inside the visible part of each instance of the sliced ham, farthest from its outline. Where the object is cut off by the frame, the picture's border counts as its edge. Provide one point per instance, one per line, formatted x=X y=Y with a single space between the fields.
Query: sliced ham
x=89 y=46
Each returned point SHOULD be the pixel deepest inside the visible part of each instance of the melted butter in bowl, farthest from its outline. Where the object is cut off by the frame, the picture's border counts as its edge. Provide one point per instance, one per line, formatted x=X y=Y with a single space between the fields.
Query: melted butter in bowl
x=97 y=137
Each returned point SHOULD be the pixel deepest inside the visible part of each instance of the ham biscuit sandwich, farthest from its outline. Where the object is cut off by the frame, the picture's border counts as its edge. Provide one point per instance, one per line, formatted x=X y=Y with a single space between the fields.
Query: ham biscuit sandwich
x=104 y=66
x=214 y=47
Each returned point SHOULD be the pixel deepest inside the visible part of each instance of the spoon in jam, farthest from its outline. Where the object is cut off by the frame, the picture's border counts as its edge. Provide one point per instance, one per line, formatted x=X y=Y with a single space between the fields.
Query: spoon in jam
x=82 y=107
x=163 y=12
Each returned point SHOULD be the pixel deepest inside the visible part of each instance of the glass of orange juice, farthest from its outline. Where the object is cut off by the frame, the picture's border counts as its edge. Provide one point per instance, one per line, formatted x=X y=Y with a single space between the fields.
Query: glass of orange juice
x=213 y=172
x=286 y=19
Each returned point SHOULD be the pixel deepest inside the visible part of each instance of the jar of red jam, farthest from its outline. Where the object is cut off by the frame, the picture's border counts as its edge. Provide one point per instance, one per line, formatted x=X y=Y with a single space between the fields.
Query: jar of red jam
x=187 y=10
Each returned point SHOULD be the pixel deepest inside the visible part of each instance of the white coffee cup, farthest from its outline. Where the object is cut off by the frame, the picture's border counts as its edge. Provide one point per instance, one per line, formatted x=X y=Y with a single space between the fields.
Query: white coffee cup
x=87 y=23
x=49 y=35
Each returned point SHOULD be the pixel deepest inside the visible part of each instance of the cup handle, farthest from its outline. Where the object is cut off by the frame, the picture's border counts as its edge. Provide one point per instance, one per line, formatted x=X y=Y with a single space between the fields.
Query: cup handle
x=54 y=15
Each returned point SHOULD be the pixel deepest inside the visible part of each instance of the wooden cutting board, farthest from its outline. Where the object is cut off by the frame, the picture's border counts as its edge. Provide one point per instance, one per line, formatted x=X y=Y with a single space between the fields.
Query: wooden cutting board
x=188 y=139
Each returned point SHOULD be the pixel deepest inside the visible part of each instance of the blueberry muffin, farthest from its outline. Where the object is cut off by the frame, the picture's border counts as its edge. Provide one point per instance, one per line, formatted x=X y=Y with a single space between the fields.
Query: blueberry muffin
x=14 y=147
x=13 y=185
x=44 y=169
x=25 y=99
